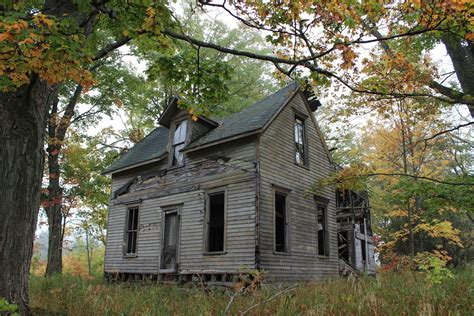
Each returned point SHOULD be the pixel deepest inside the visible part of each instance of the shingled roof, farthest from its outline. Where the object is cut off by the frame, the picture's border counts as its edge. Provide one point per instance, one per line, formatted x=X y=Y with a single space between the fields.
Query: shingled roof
x=150 y=148
x=251 y=119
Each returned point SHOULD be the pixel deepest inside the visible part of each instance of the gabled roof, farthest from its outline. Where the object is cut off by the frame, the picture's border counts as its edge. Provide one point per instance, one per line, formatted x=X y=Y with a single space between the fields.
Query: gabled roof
x=172 y=110
x=252 y=118
x=248 y=121
x=151 y=148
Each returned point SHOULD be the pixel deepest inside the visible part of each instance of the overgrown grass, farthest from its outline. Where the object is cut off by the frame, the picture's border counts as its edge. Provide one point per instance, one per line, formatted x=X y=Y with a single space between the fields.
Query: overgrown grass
x=405 y=293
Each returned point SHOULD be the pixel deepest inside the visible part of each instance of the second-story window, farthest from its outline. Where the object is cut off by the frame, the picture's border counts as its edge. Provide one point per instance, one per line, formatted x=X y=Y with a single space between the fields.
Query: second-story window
x=300 y=142
x=179 y=139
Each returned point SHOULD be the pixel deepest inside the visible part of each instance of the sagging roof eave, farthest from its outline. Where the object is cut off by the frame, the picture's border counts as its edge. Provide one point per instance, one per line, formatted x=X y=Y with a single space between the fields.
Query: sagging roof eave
x=107 y=172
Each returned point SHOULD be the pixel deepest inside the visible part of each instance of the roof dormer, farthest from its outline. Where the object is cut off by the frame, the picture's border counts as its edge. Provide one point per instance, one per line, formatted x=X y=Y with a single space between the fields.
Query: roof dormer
x=182 y=130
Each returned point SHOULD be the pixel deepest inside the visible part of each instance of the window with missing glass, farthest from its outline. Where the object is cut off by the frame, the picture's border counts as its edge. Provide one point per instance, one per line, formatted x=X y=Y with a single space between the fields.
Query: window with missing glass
x=131 y=231
x=178 y=143
x=215 y=231
x=300 y=142
x=323 y=233
x=280 y=222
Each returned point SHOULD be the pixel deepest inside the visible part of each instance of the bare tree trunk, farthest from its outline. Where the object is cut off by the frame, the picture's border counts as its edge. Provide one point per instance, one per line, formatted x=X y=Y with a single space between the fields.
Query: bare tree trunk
x=22 y=125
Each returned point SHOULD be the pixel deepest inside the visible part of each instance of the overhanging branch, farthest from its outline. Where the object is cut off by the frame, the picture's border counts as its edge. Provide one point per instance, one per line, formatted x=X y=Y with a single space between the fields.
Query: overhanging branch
x=380 y=174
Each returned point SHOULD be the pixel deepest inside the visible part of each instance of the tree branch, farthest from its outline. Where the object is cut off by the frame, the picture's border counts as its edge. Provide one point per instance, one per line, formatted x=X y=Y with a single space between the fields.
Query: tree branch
x=304 y=62
x=110 y=47
x=444 y=132
x=378 y=174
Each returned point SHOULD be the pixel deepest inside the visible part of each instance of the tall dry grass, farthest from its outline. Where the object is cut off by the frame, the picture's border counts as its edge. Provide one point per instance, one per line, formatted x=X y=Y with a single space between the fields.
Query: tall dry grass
x=407 y=293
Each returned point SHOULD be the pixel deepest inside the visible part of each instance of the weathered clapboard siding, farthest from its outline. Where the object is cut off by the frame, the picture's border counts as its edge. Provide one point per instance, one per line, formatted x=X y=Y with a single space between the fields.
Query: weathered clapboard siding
x=186 y=186
x=277 y=167
x=148 y=241
x=248 y=169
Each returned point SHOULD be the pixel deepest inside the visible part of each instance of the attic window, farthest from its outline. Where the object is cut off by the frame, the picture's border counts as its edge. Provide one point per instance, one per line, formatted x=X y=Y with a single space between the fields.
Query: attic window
x=179 y=139
x=300 y=142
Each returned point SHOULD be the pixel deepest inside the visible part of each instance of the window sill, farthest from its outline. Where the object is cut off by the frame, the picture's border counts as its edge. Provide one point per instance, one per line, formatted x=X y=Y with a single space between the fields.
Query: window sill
x=322 y=257
x=302 y=166
x=214 y=253
x=280 y=253
x=130 y=256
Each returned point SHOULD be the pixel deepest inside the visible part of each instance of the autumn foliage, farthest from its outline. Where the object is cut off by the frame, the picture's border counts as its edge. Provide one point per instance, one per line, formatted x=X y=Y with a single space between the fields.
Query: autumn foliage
x=36 y=44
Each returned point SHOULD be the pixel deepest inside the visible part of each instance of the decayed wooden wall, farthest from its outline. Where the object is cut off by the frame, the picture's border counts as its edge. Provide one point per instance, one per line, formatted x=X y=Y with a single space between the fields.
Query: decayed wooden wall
x=277 y=167
x=187 y=186
x=209 y=169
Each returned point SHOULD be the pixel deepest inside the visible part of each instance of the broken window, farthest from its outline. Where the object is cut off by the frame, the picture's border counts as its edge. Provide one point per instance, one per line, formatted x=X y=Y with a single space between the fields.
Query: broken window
x=179 y=139
x=281 y=223
x=216 y=222
x=132 y=231
x=323 y=235
x=170 y=239
x=300 y=142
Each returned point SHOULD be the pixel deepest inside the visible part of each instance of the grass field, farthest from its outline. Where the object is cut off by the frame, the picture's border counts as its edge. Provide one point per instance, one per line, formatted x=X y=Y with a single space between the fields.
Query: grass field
x=405 y=293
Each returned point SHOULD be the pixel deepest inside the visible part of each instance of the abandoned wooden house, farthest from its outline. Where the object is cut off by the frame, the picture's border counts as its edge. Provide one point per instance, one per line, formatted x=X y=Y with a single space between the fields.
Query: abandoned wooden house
x=202 y=198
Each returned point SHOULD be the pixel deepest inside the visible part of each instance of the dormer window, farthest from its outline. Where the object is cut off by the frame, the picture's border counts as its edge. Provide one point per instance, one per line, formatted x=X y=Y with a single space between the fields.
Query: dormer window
x=179 y=140
x=300 y=142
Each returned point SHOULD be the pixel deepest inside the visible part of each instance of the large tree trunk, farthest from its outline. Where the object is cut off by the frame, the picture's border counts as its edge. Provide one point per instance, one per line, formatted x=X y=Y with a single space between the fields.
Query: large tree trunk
x=461 y=53
x=22 y=125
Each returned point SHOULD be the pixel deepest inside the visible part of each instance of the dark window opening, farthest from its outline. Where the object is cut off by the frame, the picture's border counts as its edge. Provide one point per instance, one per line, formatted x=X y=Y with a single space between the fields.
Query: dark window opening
x=280 y=223
x=323 y=236
x=179 y=139
x=132 y=231
x=364 y=254
x=216 y=222
x=300 y=142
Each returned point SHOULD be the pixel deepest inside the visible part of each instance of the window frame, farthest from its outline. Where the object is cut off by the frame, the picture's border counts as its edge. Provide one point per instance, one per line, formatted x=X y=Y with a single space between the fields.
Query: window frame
x=303 y=118
x=171 y=146
x=286 y=193
x=207 y=213
x=126 y=254
x=166 y=210
x=324 y=203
